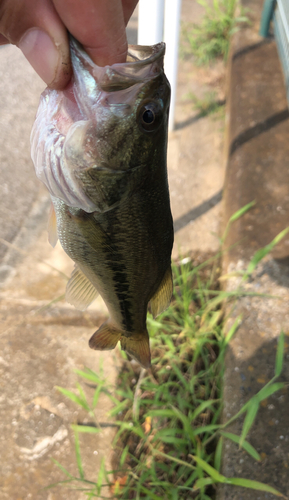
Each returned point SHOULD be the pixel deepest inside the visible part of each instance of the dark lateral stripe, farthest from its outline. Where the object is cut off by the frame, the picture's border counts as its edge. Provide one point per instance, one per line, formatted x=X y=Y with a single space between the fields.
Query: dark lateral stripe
x=121 y=286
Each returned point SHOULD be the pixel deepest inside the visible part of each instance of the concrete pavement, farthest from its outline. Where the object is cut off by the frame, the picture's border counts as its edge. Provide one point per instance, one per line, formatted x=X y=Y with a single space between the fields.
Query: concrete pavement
x=257 y=150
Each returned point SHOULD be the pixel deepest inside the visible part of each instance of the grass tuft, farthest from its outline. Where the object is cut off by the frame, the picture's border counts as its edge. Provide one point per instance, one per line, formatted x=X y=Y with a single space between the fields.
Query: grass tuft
x=170 y=438
x=209 y=40
x=208 y=105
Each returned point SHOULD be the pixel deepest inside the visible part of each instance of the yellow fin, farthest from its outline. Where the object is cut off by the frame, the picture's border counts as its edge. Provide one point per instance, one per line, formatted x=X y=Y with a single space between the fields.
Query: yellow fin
x=105 y=338
x=80 y=292
x=161 y=299
x=138 y=348
x=52 y=227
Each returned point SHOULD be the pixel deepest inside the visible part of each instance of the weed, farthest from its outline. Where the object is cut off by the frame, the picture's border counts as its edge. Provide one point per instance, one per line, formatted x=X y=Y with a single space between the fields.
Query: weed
x=208 y=105
x=210 y=39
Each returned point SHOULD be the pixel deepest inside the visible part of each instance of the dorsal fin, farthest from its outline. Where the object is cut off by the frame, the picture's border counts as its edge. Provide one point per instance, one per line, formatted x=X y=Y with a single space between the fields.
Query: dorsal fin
x=52 y=227
x=161 y=299
x=80 y=292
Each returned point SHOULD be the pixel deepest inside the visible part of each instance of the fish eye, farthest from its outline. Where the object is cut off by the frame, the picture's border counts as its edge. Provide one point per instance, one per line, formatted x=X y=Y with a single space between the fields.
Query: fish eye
x=150 y=116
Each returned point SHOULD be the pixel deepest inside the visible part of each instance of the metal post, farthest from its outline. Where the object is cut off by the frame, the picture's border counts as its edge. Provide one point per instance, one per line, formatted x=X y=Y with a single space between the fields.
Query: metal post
x=171 y=38
x=159 y=20
x=150 y=22
x=267 y=15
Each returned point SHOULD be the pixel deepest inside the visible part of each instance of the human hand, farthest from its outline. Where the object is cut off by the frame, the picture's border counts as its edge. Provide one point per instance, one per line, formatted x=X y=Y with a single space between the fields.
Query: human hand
x=39 y=29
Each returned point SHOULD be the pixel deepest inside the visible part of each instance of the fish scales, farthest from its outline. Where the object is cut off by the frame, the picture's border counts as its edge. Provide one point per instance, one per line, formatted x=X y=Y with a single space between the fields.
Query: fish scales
x=100 y=148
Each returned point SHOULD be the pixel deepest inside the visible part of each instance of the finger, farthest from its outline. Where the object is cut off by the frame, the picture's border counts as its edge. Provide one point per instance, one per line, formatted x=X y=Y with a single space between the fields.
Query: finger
x=3 y=40
x=128 y=8
x=34 y=26
x=99 y=25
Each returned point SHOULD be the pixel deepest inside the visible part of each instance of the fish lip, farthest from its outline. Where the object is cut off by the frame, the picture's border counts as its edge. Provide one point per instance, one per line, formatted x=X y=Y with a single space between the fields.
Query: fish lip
x=143 y=63
x=145 y=54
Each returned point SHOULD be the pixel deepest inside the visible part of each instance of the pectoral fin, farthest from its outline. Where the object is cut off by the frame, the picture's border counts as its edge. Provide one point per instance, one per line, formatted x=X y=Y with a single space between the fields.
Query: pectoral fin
x=161 y=299
x=52 y=227
x=106 y=187
x=138 y=348
x=105 y=338
x=80 y=292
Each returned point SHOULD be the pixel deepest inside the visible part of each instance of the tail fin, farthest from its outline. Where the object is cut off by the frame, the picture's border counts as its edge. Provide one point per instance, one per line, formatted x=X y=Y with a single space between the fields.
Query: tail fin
x=138 y=348
x=105 y=338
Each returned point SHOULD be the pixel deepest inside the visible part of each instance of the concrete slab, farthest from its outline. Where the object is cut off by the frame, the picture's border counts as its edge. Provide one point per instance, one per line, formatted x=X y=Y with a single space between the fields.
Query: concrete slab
x=19 y=96
x=257 y=169
x=38 y=352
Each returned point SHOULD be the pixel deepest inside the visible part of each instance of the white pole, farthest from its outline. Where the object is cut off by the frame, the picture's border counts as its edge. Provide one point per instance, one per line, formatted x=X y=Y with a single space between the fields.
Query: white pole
x=171 y=38
x=150 y=21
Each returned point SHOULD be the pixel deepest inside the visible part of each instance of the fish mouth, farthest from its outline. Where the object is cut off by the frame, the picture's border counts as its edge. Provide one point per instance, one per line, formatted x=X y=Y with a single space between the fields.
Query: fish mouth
x=145 y=54
x=143 y=63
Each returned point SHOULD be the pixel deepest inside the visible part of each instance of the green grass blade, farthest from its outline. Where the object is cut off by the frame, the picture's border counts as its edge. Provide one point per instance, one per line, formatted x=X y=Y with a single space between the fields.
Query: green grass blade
x=78 y=456
x=150 y=493
x=268 y=390
x=264 y=393
x=254 y=485
x=57 y=299
x=235 y=217
x=89 y=375
x=62 y=468
x=202 y=482
x=83 y=396
x=233 y=329
x=242 y=211
x=280 y=355
x=260 y=254
x=96 y=395
x=73 y=397
x=180 y=376
x=247 y=446
x=100 y=476
x=249 y=419
x=85 y=428
x=120 y=406
x=165 y=413
x=206 y=428
x=123 y=456
x=218 y=454
x=186 y=423
x=203 y=406
x=59 y=483
x=219 y=478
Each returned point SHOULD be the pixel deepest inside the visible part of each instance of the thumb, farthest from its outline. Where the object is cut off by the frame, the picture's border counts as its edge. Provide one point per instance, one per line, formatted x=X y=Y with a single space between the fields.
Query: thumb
x=35 y=27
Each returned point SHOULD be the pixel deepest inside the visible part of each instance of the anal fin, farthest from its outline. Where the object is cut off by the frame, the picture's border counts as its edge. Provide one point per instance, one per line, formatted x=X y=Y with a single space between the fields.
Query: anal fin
x=105 y=338
x=52 y=227
x=138 y=347
x=80 y=292
x=161 y=299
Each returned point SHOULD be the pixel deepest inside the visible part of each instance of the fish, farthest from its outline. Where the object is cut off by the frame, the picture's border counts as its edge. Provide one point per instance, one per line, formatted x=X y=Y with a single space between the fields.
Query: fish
x=100 y=148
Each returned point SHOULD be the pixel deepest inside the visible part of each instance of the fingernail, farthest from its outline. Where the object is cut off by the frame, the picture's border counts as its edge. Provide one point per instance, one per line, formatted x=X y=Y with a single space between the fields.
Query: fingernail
x=41 y=52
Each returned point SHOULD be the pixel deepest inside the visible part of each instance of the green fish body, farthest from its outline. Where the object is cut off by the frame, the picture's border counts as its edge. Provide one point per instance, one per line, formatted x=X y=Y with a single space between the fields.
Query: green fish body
x=100 y=148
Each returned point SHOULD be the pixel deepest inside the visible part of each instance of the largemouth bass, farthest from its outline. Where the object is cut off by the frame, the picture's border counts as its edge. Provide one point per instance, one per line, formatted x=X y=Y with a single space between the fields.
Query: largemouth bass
x=100 y=146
